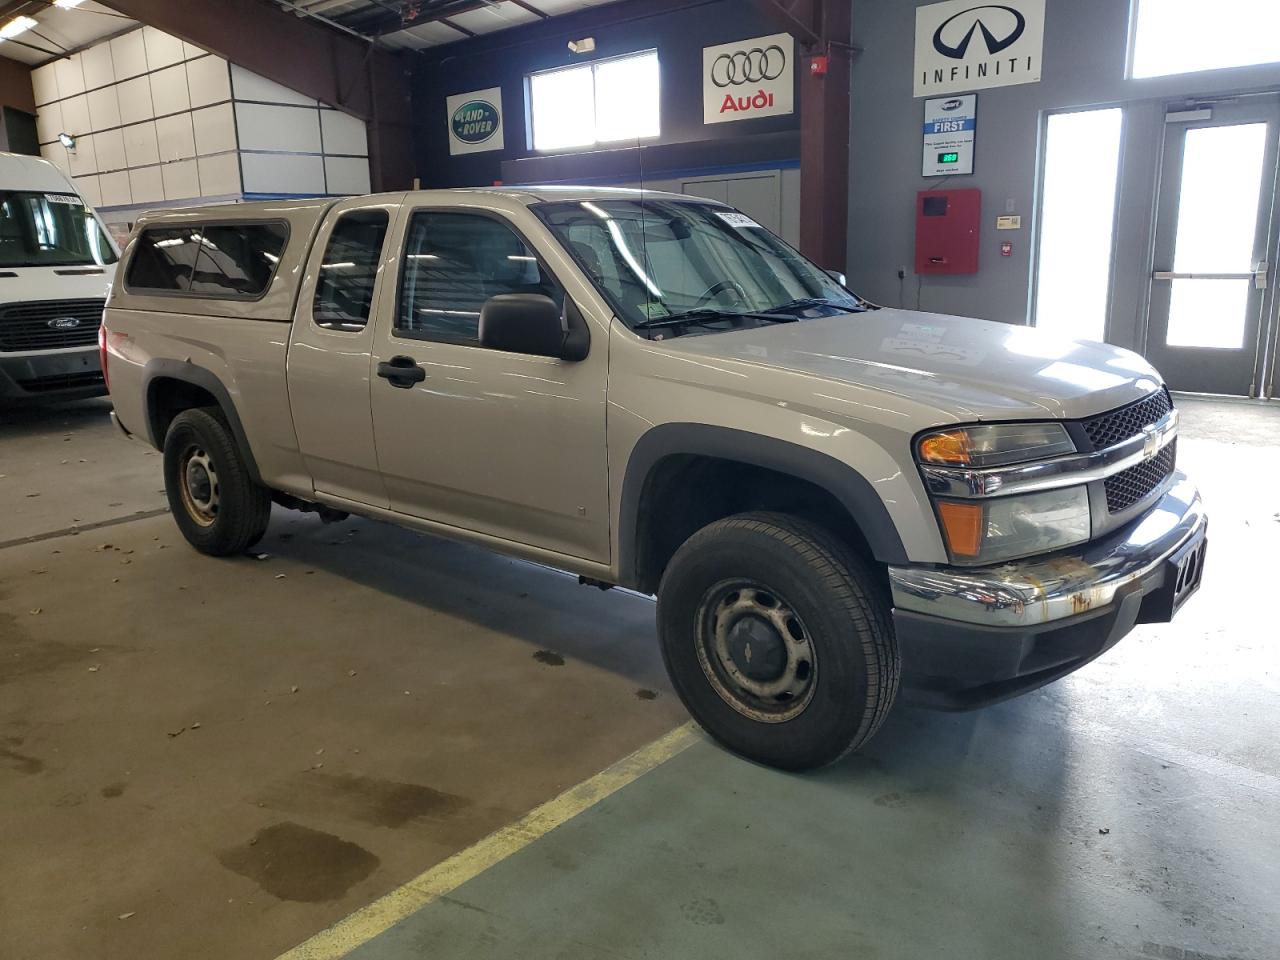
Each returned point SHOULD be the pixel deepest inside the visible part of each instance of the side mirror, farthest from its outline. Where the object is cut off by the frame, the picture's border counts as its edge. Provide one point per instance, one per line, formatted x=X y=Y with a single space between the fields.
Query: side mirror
x=838 y=277
x=531 y=323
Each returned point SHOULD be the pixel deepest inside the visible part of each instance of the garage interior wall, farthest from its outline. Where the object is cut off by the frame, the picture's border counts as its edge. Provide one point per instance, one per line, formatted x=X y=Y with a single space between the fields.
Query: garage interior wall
x=1085 y=53
x=159 y=121
x=686 y=153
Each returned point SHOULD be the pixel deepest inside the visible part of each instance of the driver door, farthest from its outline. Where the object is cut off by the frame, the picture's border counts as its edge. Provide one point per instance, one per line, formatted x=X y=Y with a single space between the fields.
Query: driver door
x=503 y=444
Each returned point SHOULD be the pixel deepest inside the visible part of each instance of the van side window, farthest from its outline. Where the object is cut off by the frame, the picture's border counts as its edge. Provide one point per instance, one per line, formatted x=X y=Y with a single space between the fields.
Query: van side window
x=453 y=263
x=344 y=291
x=163 y=259
x=219 y=261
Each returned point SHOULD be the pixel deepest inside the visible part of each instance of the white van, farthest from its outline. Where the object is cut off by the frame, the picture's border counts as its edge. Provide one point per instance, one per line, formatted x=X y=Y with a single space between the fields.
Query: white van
x=57 y=262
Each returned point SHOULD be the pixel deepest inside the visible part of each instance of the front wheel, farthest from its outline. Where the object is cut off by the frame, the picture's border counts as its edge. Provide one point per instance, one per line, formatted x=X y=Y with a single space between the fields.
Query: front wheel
x=217 y=506
x=777 y=639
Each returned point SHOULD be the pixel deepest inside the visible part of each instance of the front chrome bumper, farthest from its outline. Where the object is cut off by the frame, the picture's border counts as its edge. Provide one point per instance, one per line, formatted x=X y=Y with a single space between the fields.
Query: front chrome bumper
x=1034 y=592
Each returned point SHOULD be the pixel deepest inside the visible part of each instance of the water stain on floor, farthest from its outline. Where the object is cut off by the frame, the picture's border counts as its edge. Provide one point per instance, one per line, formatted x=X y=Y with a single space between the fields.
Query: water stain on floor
x=372 y=800
x=293 y=862
x=549 y=657
x=113 y=790
x=20 y=761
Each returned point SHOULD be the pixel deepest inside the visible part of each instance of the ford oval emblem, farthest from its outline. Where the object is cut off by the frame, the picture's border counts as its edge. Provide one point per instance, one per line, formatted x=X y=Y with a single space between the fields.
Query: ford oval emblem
x=475 y=121
x=64 y=323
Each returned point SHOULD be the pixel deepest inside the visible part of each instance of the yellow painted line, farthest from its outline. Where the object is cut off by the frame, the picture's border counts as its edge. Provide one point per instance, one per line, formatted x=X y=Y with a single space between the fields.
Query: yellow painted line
x=366 y=923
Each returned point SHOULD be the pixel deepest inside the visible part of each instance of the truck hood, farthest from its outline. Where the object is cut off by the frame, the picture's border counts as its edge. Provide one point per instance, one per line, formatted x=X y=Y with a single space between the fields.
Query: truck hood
x=25 y=284
x=967 y=369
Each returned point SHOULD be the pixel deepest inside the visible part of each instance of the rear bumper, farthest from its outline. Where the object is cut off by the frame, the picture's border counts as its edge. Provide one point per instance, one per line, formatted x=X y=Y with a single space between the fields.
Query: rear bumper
x=972 y=637
x=51 y=375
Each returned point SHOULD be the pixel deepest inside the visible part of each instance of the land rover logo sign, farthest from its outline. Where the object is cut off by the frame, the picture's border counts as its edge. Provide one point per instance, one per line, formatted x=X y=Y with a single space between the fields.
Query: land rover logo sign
x=748 y=78
x=962 y=45
x=475 y=121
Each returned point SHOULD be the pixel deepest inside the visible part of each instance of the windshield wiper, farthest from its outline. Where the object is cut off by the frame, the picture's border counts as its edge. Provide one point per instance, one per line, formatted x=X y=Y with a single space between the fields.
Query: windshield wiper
x=804 y=303
x=704 y=317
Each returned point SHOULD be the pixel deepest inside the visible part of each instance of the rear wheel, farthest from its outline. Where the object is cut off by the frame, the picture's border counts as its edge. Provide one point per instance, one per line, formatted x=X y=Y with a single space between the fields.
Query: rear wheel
x=217 y=506
x=778 y=640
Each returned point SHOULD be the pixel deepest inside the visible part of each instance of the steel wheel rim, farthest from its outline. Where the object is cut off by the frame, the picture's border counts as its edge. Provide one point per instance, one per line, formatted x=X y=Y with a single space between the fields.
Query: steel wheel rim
x=771 y=684
x=198 y=481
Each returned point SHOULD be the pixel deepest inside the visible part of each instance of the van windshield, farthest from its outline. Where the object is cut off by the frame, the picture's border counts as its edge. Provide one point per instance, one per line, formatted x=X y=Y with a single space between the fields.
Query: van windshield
x=692 y=267
x=50 y=230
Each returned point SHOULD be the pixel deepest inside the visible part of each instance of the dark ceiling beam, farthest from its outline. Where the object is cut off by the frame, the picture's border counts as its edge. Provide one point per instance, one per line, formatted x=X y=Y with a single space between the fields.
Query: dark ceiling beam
x=336 y=68
x=824 y=29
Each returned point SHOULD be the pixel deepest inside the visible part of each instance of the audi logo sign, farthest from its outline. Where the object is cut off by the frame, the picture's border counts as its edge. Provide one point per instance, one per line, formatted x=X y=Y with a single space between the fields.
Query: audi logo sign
x=746 y=79
x=962 y=45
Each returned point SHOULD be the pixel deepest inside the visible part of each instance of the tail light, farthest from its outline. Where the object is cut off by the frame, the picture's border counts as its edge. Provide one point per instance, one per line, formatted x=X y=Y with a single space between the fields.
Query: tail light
x=102 y=351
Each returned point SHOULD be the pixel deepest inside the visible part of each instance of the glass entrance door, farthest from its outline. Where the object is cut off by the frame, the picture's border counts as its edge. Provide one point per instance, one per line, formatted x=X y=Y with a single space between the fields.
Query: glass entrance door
x=1209 y=327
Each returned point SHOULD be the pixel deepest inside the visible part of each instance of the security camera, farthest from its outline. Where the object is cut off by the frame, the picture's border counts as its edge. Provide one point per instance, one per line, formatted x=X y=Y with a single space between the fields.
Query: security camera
x=585 y=45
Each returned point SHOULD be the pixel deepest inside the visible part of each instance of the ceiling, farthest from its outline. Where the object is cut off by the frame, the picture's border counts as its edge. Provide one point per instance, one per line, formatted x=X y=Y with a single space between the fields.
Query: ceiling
x=417 y=24
x=58 y=30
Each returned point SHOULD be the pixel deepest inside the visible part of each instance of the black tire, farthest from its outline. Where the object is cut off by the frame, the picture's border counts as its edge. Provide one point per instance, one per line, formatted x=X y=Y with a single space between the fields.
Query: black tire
x=835 y=610
x=235 y=515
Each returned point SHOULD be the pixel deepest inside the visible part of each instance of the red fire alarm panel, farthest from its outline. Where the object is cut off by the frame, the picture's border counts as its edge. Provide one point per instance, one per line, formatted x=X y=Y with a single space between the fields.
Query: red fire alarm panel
x=947 y=227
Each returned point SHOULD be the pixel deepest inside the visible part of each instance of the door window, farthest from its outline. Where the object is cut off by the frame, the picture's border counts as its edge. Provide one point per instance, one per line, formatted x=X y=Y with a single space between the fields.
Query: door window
x=344 y=291
x=453 y=263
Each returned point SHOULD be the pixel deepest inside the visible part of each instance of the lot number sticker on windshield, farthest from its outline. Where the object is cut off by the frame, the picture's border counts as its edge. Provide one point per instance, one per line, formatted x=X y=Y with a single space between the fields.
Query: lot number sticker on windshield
x=739 y=221
x=69 y=199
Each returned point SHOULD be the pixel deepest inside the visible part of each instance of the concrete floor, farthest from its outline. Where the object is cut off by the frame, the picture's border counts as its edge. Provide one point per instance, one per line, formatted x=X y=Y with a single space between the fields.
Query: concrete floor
x=1131 y=810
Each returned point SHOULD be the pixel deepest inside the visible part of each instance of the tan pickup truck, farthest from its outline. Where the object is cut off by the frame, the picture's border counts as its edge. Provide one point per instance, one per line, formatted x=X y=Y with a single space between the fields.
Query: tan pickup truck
x=831 y=500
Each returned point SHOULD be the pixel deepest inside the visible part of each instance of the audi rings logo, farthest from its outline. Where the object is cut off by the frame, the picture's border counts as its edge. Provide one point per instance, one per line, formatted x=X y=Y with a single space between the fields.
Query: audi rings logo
x=749 y=66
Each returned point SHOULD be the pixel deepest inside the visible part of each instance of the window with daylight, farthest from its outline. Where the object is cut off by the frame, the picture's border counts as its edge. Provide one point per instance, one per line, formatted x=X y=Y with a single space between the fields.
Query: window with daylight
x=1078 y=212
x=1186 y=36
x=603 y=102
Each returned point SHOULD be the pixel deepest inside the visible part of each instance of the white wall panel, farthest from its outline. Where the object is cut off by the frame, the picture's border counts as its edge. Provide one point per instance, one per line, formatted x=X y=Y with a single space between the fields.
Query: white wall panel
x=209 y=80
x=115 y=189
x=267 y=127
x=70 y=76
x=88 y=188
x=83 y=159
x=176 y=138
x=48 y=122
x=44 y=83
x=219 y=175
x=97 y=67
x=163 y=50
x=347 y=174
x=282 y=173
x=135 y=100
x=109 y=146
x=169 y=90
x=146 y=185
x=141 y=147
x=181 y=180
x=191 y=51
x=56 y=154
x=75 y=115
x=104 y=108
x=250 y=86
x=344 y=134
x=129 y=55
x=215 y=129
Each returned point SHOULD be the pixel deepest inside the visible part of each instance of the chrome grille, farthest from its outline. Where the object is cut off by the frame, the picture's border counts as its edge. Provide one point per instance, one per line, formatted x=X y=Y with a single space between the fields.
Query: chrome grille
x=26 y=326
x=1128 y=487
x=1119 y=425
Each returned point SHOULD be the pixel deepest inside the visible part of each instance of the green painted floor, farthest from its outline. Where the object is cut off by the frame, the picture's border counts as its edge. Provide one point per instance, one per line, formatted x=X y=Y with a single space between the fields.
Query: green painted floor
x=1129 y=811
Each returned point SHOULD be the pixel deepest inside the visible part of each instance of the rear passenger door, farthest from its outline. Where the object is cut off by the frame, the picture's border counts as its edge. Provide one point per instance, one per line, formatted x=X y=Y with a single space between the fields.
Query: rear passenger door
x=500 y=443
x=331 y=347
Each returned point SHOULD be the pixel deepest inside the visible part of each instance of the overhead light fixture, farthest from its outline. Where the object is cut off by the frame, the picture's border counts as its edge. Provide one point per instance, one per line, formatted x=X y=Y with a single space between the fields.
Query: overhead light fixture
x=67 y=140
x=585 y=45
x=67 y=4
x=16 y=27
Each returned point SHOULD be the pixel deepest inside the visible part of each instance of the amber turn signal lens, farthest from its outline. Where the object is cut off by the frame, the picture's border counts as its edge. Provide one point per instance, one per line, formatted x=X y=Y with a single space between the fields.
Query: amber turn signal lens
x=950 y=447
x=962 y=523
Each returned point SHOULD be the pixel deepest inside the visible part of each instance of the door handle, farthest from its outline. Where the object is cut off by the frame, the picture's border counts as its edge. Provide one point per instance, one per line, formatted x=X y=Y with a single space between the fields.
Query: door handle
x=401 y=372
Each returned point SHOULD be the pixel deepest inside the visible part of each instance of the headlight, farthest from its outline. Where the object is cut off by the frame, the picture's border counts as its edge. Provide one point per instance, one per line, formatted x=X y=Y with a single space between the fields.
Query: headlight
x=1005 y=528
x=994 y=444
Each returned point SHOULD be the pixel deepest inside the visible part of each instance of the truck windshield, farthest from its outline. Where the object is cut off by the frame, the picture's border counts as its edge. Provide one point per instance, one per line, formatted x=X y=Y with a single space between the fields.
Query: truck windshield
x=50 y=230
x=692 y=267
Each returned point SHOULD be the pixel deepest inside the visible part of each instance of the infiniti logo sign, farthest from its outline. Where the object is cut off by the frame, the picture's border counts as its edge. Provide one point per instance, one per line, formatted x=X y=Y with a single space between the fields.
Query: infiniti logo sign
x=1001 y=28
